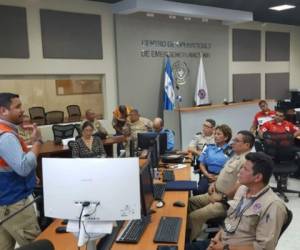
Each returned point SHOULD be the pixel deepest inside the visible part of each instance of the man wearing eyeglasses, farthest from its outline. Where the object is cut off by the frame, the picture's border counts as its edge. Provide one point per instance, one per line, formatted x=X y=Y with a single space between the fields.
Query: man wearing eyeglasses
x=256 y=214
x=201 y=139
x=213 y=204
x=279 y=125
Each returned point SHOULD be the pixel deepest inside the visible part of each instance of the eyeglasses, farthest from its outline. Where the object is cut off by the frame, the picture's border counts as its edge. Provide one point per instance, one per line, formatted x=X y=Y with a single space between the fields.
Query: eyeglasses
x=235 y=140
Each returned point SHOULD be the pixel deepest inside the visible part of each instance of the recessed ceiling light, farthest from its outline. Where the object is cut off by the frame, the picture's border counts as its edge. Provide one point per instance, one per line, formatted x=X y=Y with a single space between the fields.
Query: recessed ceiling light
x=172 y=17
x=282 y=7
x=186 y=18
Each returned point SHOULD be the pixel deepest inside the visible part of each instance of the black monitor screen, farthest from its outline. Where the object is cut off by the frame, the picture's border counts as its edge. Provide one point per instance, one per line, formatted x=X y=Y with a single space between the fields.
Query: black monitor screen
x=146 y=187
x=146 y=140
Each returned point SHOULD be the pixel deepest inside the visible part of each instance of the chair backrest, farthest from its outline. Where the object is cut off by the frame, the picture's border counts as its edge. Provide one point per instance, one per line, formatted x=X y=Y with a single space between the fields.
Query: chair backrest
x=37 y=115
x=287 y=222
x=62 y=132
x=53 y=117
x=280 y=146
x=74 y=112
x=78 y=129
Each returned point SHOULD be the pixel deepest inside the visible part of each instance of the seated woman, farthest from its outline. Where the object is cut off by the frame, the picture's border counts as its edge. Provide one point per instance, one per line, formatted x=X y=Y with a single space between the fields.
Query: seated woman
x=88 y=146
x=213 y=157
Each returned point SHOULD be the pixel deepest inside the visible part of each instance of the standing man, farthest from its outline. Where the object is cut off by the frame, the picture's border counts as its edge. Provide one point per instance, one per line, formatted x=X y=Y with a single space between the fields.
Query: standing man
x=99 y=130
x=158 y=127
x=17 y=175
x=265 y=114
x=256 y=215
x=214 y=203
x=201 y=139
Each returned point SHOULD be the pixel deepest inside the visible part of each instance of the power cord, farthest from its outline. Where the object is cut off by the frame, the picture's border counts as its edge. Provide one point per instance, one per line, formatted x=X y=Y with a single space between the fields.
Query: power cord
x=84 y=204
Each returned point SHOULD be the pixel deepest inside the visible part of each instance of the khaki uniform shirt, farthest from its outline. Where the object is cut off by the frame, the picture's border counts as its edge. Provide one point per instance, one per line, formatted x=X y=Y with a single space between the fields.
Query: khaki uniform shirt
x=229 y=174
x=258 y=225
x=199 y=141
x=140 y=126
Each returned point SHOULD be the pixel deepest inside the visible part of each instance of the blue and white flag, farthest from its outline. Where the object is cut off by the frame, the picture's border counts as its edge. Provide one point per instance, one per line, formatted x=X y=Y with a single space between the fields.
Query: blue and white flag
x=169 y=94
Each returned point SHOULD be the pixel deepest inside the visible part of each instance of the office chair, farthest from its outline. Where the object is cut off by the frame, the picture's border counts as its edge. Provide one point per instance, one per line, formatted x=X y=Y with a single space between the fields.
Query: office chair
x=78 y=129
x=74 y=113
x=37 y=115
x=280 y=146
x=53 y=117
x=287 y=222
x=62 y=132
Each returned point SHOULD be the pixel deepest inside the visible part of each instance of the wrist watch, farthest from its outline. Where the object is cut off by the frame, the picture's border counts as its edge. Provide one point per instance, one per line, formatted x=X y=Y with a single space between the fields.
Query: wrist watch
x=226 y=247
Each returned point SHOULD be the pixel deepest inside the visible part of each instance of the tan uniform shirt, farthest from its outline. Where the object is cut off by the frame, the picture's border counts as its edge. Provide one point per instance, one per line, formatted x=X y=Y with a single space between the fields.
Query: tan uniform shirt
x=199 y=141
x=140 y=126
x=229 y=174
x=259 y=224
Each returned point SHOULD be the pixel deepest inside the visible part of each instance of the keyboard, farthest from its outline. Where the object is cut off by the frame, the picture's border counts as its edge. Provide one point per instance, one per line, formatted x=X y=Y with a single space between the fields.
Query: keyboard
x=133 y=231
x=168 y=175
x=168 y=230
x=159 y=190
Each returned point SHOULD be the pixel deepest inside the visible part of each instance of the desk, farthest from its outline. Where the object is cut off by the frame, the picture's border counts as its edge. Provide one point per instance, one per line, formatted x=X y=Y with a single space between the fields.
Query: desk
x=68 y=242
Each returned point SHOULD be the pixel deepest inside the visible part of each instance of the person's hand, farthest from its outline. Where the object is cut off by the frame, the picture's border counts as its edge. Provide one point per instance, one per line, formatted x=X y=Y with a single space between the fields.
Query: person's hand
x=36 y=134
x=211 y=177
x=215 y=245
x=215 y=197
x=212 y=188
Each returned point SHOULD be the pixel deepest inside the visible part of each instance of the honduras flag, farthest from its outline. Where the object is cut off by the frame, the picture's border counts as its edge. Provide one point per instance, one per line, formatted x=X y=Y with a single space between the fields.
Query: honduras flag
x=169 y=95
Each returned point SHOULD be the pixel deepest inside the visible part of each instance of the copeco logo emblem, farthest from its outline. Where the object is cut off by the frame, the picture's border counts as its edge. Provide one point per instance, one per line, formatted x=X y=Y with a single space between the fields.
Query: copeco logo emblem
x=202 y=94
x=181 y=71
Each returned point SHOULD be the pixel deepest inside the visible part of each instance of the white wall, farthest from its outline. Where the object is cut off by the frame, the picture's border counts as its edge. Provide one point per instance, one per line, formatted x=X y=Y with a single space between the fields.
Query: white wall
x=263 y=67
x=37 y=65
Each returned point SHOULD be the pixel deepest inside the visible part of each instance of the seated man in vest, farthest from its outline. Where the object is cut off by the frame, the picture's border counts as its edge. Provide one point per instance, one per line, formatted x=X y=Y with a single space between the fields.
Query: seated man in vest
x=279 y=125
x=201 y=139
x=211 y=205
x=158 y=127
x=99 y=130
x=256 y=215
x=17 y=175
x=262 y=116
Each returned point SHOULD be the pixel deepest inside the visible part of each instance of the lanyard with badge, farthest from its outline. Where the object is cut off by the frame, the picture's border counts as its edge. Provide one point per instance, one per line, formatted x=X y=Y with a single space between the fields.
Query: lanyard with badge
x=238 y=213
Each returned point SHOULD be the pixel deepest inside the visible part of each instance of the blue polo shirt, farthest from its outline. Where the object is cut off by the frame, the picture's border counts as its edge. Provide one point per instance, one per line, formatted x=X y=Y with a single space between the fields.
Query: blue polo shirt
x=214 y=158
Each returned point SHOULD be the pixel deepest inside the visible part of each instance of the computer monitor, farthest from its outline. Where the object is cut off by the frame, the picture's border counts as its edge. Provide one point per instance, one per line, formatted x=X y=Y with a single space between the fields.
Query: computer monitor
x=146 y=187
x=69 y=182
x=145 y=140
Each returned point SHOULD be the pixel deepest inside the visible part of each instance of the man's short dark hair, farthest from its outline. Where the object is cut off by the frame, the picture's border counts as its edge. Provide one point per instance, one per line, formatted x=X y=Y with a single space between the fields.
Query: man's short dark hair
x=134 y=111
x=123 y=109
x=5 y=99
x=262 y=102
x=212 y=122
x=281 y=110
x=262 y=164
x=248 y=137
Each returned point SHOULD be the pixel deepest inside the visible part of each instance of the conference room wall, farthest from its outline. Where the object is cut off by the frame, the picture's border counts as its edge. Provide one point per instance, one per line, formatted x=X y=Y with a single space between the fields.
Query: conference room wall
x=140 y=78
x=37 y=65
x=263 y=67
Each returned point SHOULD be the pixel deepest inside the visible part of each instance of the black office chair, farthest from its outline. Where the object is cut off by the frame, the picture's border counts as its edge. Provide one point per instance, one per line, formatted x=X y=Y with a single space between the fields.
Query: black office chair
x=54 y=117
x=37 y=115
x=62 y=132
x=78 y=129
x=74 y=113
x=288 y=221
x=280 y=146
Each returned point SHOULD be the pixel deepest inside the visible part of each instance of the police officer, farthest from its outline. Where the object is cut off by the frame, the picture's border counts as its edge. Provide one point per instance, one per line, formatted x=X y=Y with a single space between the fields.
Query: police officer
x=201 y=139
x=213 y=157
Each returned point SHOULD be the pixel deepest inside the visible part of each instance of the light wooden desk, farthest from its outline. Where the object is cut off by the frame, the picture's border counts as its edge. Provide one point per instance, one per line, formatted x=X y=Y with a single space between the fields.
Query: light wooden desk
x=67 y=241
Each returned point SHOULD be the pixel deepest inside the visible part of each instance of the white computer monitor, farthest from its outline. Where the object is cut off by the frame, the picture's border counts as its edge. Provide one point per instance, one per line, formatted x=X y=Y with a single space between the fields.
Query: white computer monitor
x=113 y=183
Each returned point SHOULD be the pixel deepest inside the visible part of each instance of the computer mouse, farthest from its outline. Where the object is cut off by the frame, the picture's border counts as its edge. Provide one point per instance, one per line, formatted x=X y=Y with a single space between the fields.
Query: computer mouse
x=61 y=230
x=178 y=204
x=64 y=222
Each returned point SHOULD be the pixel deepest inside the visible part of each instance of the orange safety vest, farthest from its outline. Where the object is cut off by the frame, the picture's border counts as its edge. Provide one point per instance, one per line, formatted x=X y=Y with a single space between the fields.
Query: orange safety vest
x=4 y=129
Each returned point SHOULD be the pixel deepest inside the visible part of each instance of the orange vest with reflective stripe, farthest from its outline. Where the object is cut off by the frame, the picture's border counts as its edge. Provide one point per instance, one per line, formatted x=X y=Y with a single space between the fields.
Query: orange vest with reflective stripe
x=5 y=128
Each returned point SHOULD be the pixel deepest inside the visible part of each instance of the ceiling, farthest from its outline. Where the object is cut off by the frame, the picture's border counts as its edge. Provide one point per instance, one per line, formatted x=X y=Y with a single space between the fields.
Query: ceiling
x=258 y=7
